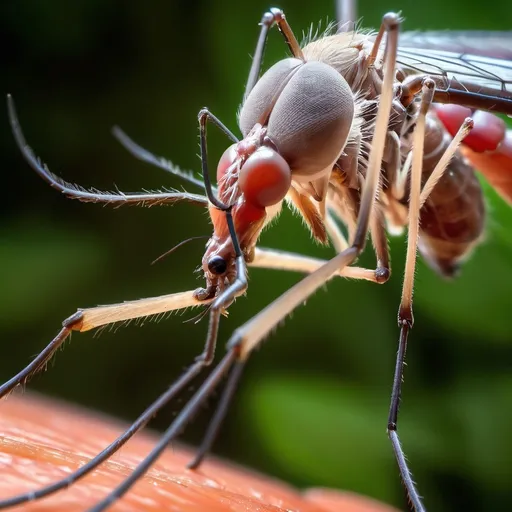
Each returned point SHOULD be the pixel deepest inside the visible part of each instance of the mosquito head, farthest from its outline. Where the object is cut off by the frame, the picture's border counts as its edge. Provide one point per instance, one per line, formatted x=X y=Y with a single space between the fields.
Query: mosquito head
x=296 y=122
x=253 y=178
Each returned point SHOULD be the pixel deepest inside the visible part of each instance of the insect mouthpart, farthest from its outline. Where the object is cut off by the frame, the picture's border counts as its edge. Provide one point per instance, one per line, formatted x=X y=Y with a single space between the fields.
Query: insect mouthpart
x=253 y=179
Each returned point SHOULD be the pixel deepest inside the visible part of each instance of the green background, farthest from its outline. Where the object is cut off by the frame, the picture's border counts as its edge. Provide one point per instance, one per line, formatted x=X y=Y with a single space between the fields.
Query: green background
x=312 y=406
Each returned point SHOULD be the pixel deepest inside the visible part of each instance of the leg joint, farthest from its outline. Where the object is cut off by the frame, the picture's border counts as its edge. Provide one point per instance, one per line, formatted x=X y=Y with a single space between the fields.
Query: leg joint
x=277 y=14
x=382 y=274
x=203 y=115
x=235 y=344
x=405 y=317
x=74 y=322
x=205 y=358
x=267 y=19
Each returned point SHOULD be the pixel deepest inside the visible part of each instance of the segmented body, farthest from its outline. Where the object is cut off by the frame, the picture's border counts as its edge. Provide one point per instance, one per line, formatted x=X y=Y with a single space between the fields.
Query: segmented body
x=453 y=218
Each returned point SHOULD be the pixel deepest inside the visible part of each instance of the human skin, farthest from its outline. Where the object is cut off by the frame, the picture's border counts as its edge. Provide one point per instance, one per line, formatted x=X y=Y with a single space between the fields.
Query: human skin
x=42 y=441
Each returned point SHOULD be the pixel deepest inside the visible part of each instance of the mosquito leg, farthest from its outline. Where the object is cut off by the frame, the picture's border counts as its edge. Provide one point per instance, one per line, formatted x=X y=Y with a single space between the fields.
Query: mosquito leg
x=281 y=260
x=226 y=297
x=338 y=240
x=405 y=315
x=391 y=23
x=442 y=165
x=287 y=33
x=376 y=47
x=268 y=19
x=394 y=169
x=41 y=359
x=90 y=318
x=87 y=319
x=113 y=447
x=271 y=258
x=190 y=409
x=266 y=23
x=400 y=182
x=380 y=246
x=289 y=261
x=220 y=413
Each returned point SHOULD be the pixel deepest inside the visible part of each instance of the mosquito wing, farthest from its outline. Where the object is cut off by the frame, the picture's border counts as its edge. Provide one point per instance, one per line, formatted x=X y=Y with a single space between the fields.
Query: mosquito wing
x=477 y=63
x=482 y=43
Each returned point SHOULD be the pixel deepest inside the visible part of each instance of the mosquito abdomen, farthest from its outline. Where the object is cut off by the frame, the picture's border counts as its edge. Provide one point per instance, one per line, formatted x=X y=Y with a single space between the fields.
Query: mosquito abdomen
x=453 y=218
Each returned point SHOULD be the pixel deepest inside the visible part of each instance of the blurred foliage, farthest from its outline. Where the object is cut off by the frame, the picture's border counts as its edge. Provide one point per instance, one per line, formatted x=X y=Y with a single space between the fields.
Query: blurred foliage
x=312 y=406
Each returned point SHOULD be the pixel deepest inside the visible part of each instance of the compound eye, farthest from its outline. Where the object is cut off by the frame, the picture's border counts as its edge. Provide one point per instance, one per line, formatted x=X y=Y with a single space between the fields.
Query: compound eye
x=217 y=265
x=265 y=177
x=226 y=160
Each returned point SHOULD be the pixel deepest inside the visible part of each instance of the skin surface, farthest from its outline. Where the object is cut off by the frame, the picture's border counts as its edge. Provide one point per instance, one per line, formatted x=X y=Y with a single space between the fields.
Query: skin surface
x=42 y=441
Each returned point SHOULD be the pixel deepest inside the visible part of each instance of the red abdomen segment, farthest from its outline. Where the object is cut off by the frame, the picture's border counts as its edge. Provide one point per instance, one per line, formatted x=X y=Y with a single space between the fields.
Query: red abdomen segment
x=488 y=147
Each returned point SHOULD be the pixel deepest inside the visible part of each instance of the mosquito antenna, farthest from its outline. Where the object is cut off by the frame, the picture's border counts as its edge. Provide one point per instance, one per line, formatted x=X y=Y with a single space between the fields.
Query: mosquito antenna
x=177 y=246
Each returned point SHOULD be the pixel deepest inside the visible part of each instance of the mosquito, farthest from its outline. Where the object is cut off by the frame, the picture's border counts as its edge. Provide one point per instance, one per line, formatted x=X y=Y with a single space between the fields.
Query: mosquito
x=349 y=128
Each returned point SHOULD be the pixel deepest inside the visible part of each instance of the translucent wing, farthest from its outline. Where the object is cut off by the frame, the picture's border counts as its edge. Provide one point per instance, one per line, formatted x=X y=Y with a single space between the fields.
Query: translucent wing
x=482 y=43
x=477 y=63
